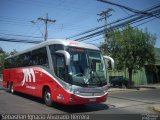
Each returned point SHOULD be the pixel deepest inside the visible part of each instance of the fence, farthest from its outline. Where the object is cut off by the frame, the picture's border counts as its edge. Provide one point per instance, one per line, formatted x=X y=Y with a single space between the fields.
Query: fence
x=139 y=77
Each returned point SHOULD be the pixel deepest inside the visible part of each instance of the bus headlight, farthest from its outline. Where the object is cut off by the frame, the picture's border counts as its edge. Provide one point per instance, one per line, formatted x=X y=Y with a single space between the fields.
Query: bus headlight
x=105 y=89
x=76 y=91
x=68 y=87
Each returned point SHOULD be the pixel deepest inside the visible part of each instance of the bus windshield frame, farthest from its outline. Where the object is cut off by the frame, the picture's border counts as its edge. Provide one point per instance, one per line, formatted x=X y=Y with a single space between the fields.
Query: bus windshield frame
x=87 y=67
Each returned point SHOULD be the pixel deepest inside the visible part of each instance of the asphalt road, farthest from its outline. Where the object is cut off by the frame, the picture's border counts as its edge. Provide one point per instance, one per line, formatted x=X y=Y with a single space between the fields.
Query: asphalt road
x=124 y=102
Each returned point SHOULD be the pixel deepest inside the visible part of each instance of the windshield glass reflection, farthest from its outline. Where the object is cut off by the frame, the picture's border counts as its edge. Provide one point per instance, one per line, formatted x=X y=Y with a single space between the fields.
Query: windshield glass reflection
x=86 y=67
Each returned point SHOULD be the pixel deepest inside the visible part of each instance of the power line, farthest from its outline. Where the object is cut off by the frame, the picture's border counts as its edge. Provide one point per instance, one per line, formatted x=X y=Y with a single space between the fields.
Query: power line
x=21 y=41
x=46 y=21
x=109 y=29
x=122 y=24
x=128 y=8
x=115 y=22
x=123 y=30
x=104 y=15
x=125 y=11
x=16 y=35
x=125 y=7
x=98 y=28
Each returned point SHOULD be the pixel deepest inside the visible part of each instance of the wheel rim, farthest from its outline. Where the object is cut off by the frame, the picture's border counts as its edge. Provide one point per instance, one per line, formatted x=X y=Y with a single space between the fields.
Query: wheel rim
x=12 y=89
x=48 y=97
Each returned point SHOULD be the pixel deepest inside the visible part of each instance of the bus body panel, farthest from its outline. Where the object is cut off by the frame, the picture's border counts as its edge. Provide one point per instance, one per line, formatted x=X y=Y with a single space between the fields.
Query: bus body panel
x=6 y=78
x=32 y=80
x=34 y=70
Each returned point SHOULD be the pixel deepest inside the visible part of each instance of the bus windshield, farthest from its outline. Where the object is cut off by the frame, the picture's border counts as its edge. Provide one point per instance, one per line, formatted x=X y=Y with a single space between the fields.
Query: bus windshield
x=86 y=67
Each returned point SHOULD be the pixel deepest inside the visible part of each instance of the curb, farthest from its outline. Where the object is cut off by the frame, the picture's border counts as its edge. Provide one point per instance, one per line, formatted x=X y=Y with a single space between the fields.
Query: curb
x=150 y=87
x=131 y=89
x=134 y=88
x=120 y=90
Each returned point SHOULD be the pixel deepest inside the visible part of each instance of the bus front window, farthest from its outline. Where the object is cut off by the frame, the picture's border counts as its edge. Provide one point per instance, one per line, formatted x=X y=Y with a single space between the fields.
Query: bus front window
x=86 y=67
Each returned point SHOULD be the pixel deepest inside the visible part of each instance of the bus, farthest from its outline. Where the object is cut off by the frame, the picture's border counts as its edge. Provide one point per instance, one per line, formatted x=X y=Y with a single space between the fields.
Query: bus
x=59 y=71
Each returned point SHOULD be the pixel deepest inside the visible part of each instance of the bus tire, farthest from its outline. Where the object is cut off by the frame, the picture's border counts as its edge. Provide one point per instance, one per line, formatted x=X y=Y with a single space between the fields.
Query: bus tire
x=47 y=97
x=8 y=87
x=11 y=88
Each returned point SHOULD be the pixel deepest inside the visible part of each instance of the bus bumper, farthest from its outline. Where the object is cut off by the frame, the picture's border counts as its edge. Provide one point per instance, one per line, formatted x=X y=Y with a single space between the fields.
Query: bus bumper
x=75 y=100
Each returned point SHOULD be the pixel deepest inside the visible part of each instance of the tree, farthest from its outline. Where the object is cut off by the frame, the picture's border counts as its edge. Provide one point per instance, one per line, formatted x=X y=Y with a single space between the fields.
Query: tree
x=131 y=48
x=1 y=50
x=14 y=51
x=3 y=55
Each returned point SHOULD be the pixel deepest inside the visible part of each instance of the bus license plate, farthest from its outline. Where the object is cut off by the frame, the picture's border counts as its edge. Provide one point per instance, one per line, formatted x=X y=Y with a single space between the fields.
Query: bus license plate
x=92 y=100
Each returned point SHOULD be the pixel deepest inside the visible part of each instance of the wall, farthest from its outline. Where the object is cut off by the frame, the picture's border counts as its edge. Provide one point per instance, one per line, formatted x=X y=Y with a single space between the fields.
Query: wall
x=139 y=77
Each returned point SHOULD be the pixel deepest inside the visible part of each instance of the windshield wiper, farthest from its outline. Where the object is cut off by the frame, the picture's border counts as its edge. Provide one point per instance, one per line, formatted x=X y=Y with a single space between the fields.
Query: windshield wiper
x=98 y=78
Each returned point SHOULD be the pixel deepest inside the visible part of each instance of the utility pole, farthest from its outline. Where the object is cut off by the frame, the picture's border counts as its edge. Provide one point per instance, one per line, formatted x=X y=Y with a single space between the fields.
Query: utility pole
x=129 y=9
x=104 y=15
x=46 y=21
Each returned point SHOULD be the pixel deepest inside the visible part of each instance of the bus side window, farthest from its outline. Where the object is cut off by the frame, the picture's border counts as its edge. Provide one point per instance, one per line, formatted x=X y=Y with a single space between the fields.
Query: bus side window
x=53 y=49
x=58 y=47
x=39 y=57
x=60 y=67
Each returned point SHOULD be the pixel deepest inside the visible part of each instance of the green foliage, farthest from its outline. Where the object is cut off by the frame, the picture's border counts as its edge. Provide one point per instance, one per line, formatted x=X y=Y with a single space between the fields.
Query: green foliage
x=14 y=51
x=3 y=55
x=131 y=48
x=1 y=50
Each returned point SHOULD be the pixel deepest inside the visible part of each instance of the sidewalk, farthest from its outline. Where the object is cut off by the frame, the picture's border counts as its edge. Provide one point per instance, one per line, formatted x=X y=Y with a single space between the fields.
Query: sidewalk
x=135 y=88
x=150 y=86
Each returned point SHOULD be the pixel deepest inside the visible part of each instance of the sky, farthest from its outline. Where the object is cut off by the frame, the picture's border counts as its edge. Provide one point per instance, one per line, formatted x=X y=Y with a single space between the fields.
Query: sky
x=72 y=17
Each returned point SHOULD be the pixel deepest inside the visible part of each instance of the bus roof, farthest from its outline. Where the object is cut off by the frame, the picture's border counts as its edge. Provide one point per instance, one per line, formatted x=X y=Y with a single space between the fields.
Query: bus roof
x=58 y=41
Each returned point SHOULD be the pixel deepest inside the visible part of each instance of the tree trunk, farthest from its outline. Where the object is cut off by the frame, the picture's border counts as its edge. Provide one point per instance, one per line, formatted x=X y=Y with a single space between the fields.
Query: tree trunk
x=130 y=77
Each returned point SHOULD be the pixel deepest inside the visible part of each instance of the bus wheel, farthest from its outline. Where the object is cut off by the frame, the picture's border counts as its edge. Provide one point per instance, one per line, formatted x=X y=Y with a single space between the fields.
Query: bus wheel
x=11 y=88
x=48 y=98
x=8 y=87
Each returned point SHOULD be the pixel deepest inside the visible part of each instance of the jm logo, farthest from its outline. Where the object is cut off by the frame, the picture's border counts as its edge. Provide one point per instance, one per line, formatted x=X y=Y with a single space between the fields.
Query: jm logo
x=29 y=76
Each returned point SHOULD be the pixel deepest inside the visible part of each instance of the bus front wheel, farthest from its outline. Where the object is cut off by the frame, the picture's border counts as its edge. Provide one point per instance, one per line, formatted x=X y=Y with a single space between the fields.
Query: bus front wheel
x=48 y=98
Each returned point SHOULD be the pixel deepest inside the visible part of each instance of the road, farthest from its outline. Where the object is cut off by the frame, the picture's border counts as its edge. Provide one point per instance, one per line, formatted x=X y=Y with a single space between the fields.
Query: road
x=124 y=102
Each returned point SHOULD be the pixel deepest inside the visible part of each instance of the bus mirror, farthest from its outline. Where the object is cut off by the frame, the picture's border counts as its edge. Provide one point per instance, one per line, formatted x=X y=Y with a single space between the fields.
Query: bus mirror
x=66 y=55
x=107 y=59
